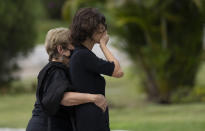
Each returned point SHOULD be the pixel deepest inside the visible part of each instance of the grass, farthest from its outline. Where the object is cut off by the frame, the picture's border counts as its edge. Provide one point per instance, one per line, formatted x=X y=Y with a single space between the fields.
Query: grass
x=127 y=110
x=15 y=111
x=189 y=117
x=130 y=111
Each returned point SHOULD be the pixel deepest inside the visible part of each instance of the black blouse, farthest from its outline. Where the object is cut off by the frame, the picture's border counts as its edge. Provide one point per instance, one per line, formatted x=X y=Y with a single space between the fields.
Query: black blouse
x=85 y=72
x=53 y=81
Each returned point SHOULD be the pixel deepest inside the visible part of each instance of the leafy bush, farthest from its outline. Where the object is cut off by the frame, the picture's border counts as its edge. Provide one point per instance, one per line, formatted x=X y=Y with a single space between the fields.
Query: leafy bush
x=17 y=35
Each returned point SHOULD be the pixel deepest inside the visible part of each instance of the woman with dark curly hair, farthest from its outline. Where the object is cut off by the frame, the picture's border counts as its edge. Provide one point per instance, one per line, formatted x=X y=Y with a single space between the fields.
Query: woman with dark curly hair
x=88 y=28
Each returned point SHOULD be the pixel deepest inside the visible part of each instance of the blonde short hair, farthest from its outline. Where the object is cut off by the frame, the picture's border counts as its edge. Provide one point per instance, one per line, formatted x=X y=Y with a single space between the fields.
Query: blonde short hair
x=54 y=37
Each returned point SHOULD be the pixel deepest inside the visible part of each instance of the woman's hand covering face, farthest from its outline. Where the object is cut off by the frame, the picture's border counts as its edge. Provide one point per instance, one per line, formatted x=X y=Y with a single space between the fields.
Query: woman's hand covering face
x=104 y=39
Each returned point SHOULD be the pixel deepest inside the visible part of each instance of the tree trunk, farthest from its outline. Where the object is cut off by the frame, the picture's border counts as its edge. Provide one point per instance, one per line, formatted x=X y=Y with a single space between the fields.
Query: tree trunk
x=150 y=83
x=152 y=88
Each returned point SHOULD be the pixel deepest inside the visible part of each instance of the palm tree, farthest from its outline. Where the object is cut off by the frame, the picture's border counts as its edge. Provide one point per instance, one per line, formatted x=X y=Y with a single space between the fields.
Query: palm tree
x=164 y=39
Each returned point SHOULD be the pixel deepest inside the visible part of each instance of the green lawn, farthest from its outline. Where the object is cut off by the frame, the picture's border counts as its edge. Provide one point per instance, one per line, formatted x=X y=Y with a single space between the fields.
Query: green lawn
x=127 y=110
x=189 y=117
x=15 y=111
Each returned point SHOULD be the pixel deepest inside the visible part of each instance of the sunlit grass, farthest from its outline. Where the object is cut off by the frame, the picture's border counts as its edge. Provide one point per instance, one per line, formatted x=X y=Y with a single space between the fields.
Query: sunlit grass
x=151 y=117
x=15 y=110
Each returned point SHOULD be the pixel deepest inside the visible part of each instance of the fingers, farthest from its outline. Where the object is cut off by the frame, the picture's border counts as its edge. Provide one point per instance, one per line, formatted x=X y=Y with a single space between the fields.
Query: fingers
x=105 y=106
x=102 y=107
x=105 y=34
x=105 y=38
x=101 y=102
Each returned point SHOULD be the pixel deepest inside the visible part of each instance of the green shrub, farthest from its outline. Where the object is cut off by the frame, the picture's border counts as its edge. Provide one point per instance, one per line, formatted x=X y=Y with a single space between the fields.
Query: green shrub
x=185 y=95
x=17 y=35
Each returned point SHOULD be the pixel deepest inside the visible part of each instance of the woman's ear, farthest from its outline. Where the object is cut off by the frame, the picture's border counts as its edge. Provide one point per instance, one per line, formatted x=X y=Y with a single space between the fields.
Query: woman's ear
x=60 y=49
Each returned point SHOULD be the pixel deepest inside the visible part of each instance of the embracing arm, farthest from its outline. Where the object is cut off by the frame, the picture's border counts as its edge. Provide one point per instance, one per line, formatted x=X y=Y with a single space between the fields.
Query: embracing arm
x=75 y=98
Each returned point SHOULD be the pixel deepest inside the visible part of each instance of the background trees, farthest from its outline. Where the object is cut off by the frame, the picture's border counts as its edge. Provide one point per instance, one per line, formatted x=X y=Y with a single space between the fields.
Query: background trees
x=17 y=34
x=53 y=8
x=163 y=39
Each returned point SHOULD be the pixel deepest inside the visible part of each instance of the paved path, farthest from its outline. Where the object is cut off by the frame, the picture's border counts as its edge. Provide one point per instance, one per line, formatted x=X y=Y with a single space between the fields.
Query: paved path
x=12 y=129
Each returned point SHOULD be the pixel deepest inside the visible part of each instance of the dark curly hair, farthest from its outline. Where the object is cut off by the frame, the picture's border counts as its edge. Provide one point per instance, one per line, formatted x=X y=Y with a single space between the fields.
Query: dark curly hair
x=85 y=22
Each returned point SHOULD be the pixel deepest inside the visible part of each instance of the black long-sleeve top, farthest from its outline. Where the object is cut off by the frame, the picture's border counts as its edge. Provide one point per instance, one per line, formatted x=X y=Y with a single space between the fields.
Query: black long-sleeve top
x=53 y=81
x=85 y=72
